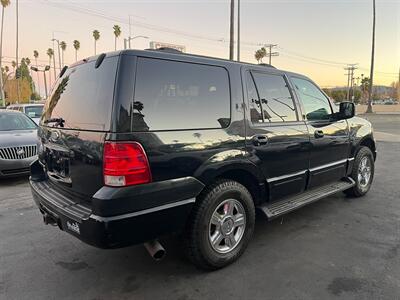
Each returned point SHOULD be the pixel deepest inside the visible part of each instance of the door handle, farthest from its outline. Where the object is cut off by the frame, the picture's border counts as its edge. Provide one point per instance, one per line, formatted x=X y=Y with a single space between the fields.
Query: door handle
x=318 y=134
x=259 y=140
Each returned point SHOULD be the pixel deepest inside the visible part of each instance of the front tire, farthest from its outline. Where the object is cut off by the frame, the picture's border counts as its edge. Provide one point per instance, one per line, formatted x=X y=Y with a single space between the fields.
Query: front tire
x=220 y=226
x=362 y=173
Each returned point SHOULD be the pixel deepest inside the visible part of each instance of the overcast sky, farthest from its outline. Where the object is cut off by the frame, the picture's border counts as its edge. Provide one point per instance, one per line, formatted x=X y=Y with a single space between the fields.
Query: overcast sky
x=315 y=37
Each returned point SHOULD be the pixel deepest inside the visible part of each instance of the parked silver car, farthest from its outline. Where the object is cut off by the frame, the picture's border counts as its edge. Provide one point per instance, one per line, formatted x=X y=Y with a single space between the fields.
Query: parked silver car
x=18 y=143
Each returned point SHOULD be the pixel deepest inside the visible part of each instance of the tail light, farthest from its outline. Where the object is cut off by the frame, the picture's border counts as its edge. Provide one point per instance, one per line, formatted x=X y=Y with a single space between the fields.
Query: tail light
x=125 y=163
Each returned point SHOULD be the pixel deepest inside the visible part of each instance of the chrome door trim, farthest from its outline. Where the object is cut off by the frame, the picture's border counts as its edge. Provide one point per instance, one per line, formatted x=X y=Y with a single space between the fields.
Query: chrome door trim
x=332 y=164
x=278 y=178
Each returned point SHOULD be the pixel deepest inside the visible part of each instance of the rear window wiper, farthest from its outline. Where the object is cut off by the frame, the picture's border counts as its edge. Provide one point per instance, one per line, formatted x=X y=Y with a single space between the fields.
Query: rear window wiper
x=58 y=121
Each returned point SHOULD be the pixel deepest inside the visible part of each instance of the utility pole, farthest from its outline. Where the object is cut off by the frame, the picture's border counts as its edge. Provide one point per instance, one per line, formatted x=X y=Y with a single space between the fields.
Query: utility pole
x=238 y=32
x=270 y=53
x=350 y=79
x=16 y=54
x=54 y=60
x=371 y=75
x=232 y=31
x=130 y=32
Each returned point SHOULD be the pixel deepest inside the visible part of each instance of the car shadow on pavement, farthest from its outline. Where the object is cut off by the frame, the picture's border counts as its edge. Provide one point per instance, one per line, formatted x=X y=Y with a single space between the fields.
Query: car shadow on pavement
x=13 y=181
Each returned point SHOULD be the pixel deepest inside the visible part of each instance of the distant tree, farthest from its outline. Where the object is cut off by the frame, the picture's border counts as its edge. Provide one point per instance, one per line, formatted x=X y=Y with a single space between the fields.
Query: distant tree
x=35 y=55
x=96 y=36
x=28 y=61
x=63 y=46
x=13 y=64
x=117 y=33
x=395 y=93
x=77 y=45
x=364 y=86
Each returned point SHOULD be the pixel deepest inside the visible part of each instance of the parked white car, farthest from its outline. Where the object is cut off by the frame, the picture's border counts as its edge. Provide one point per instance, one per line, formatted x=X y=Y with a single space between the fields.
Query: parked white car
x=33 y=110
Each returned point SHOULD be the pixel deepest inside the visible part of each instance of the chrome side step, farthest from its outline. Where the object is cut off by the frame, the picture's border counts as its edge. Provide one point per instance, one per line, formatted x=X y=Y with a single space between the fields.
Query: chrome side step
x=279 y=208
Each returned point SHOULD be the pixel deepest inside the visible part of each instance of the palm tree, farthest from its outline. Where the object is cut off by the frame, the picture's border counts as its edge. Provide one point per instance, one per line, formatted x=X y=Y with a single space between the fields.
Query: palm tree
x=77 y=45
x=96 y=36
x=27 y=61
x=117 y=33
x=63 y=46
x=36 y=55
x=4 y=4
x=371 y=75
x=260 y=54
x=50 y=53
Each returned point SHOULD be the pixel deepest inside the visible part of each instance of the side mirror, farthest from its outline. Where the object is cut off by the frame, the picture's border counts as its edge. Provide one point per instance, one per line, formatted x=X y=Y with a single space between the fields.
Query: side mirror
x=347 y=110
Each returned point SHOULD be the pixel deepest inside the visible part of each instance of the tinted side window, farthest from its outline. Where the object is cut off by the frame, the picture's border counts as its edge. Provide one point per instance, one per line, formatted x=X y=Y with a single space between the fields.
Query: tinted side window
x=316 y=105
x=83 y=96
x=178 y=95
x=276 y=101
x=254 y=100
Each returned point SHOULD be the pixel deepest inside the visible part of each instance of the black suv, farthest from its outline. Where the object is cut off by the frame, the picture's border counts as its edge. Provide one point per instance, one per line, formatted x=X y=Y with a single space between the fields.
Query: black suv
x=136 y=145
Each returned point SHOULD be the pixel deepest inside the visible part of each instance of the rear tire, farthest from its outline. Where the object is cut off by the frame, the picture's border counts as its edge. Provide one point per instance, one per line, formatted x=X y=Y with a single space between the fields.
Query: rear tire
x=362 y=173
x=220 y=225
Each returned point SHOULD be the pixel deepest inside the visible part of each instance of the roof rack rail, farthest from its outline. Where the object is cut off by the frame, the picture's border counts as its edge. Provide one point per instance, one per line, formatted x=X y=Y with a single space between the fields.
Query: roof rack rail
x=267 y=65
x=167 y=49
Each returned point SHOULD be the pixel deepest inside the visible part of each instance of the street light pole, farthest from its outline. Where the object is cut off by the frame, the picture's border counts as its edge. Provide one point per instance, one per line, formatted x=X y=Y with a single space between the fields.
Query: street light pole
x=129 y=39
x=45 y=84
x=130 y=32
x=59 y=52
x=47 y=68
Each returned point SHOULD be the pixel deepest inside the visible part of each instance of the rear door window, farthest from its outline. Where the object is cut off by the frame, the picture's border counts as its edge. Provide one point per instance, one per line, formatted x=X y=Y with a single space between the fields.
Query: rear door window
x=83 y=96
x=178 y=95
x=275 y=100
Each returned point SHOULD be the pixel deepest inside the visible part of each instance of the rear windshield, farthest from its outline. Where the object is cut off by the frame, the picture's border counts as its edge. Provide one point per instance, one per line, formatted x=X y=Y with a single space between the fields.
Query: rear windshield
x=34 y=111
x=178 y=95
x=83 y=96
x=15 y=121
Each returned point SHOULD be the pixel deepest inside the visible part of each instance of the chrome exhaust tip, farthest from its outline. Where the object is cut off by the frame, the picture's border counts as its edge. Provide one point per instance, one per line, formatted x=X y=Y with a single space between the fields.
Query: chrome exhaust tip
x=155 y=249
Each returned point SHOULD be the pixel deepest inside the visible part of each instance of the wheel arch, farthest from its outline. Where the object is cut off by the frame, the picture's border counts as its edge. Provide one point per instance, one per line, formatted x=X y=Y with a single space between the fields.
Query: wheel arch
x=244 y=172
x=369 y=142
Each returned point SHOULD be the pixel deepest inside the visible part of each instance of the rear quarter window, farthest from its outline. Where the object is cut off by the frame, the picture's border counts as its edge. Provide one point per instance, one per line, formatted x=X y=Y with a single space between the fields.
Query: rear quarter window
x=83 y=96
x=179 y=95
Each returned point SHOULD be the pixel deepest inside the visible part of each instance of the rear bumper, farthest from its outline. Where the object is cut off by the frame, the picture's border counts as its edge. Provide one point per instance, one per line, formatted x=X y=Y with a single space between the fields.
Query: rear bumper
x=15 y=167
x=113 y=231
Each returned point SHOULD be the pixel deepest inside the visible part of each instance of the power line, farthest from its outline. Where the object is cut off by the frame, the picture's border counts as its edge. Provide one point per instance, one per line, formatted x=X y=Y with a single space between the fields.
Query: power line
x=98 y=13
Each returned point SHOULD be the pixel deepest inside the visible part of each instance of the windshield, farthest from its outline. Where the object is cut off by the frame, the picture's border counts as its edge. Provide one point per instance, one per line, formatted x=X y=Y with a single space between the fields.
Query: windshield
x=15 y=121
x=34 y=111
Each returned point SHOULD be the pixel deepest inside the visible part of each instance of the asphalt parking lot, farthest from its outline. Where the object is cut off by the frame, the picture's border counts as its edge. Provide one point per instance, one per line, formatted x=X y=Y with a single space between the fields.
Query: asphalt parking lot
x=337 y=248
